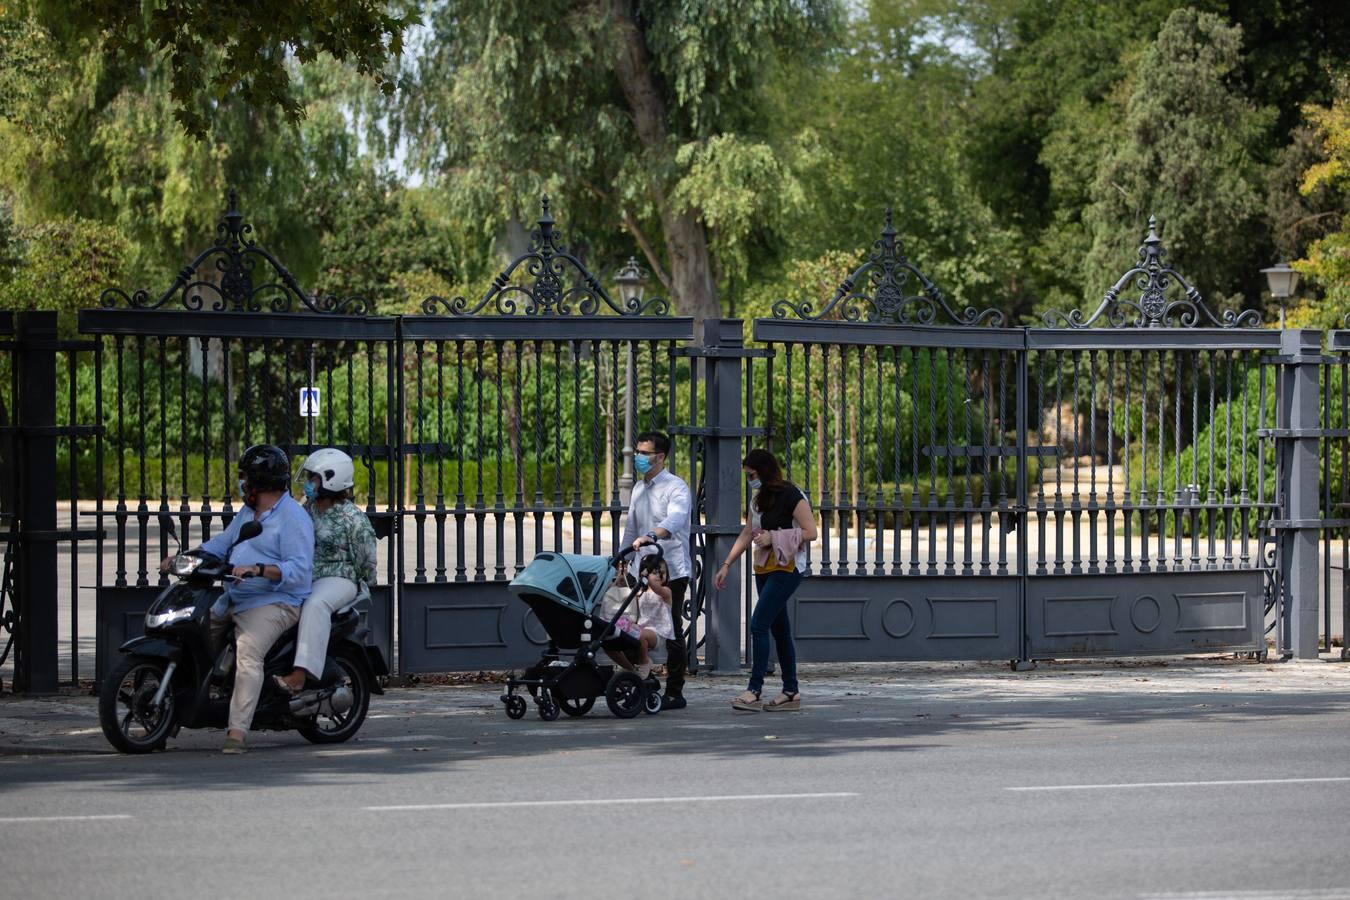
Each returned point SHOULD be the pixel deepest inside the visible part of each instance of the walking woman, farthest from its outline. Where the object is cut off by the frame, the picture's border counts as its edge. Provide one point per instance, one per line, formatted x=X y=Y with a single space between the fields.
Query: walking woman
x=780 y=527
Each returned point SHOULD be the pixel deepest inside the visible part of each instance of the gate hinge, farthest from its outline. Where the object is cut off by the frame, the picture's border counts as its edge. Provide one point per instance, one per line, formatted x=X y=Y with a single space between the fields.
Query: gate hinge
x=52 y=430
x=1303 y=432
x=703 y=431
x=1304 y=524
x=725 y=352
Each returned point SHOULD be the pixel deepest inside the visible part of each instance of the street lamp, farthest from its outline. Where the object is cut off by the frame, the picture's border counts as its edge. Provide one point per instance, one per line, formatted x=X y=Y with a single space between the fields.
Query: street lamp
x=1282 y=279
x=632 y=283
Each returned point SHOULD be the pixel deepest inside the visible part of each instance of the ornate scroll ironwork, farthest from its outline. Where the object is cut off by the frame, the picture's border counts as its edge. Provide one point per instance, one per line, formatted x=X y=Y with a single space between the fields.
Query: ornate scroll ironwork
x=882 y=298
x=241 y=283
x=1152 y=277
x=554 y=283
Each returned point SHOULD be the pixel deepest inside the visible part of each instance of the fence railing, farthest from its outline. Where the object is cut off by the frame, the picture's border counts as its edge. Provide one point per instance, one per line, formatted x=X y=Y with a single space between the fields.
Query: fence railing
x=982 y=490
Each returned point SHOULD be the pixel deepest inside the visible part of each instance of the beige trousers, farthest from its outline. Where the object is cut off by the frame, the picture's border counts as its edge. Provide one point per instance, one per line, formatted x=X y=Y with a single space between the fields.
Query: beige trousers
x=255 y=631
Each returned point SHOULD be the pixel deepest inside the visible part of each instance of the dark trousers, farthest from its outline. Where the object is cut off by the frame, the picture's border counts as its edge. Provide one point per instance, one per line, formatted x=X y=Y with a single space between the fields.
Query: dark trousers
x=677 y=655
x=770 y=618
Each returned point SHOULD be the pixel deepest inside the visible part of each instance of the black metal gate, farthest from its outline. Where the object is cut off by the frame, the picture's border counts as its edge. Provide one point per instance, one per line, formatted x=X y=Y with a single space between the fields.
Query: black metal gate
x=510 y=407
x=989 y=492
x=985 y=492
x=481 y=437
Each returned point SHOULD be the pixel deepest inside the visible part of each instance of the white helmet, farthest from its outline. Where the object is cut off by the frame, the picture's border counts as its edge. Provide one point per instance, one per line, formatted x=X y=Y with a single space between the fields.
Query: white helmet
x=335 y=469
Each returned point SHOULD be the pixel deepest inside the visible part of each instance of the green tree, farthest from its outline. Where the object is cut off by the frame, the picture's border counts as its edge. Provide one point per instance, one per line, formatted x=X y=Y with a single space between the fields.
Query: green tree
x=879 y=126
x=637 y=115
x=1327 y=264
x=59 y=265
x=105 y=147
x=210 y=55
x=1191 y=151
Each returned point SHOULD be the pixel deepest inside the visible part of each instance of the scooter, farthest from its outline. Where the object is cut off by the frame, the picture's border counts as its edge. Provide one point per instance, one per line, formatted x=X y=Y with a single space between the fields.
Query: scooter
x=170 y=678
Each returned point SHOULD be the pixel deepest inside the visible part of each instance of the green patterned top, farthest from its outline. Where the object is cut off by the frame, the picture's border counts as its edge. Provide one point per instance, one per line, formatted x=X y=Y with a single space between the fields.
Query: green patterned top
x=344 y=543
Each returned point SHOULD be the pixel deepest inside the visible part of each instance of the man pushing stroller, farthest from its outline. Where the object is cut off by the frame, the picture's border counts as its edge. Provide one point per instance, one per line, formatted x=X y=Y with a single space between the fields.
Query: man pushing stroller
x=659 y=513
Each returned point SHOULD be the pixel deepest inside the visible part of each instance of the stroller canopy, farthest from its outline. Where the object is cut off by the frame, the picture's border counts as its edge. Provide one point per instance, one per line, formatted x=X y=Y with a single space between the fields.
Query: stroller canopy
x=572 y=580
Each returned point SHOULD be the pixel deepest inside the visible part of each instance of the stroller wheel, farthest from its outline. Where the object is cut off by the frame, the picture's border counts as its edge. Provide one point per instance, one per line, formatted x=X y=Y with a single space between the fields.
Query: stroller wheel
x=515 y=707
x=625 y=694
x=548 y=707
x=577 y=708
x=652 y=703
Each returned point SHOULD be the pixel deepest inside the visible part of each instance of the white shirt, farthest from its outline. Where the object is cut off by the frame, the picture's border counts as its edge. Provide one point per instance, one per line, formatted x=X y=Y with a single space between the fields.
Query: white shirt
x=664 y=502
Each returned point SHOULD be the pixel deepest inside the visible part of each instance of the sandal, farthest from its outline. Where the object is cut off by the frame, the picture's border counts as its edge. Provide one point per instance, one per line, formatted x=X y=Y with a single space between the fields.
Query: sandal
x=785 y=702
x=280 y=684
x=747 y=702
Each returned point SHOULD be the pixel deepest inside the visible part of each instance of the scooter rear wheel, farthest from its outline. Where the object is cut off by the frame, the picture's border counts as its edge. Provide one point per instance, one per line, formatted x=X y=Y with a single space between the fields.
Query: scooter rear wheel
x=334 y=727
x=126 y=710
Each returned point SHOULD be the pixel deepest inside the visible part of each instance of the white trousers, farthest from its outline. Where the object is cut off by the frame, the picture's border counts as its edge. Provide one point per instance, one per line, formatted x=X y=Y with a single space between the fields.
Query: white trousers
x=327 y=596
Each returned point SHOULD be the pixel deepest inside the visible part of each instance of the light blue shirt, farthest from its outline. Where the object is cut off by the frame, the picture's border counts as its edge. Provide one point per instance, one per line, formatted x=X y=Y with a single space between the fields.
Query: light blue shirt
x=287 y=542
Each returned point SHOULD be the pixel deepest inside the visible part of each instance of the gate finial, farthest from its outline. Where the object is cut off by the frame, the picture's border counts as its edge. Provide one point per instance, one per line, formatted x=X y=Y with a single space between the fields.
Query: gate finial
x=1152 y=277
x=887 y=271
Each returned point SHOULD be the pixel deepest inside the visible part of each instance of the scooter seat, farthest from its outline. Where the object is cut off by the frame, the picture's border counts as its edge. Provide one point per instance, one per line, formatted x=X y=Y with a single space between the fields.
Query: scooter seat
x=348 y=614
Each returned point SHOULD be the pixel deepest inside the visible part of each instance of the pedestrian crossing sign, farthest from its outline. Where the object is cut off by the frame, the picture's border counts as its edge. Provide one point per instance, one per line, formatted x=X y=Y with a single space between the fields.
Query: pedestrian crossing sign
x=309 y=401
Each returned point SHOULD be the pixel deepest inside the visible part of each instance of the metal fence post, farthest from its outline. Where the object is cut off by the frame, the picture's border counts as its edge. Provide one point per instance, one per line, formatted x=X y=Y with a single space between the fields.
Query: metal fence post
x=35 y=668
x=1301 y=351
x=723 y=344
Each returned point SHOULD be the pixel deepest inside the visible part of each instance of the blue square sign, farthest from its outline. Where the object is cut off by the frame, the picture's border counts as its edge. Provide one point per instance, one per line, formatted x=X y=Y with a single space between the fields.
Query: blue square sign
x=309 y=401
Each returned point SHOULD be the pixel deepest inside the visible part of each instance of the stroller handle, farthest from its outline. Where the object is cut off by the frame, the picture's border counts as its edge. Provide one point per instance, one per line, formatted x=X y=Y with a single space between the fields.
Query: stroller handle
x=629 y=550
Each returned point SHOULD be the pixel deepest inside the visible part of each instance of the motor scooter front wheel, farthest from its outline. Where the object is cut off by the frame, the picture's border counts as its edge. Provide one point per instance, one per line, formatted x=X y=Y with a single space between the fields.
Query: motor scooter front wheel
x=329 y=726
x=126 y=710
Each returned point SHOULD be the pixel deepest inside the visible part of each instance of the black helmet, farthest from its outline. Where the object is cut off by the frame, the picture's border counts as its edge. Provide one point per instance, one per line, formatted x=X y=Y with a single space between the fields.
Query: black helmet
x=266 y=468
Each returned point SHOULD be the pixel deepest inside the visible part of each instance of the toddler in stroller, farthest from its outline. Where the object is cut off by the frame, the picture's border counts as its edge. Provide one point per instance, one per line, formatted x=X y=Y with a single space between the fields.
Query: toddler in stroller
x=566 y=593
x=653 y=614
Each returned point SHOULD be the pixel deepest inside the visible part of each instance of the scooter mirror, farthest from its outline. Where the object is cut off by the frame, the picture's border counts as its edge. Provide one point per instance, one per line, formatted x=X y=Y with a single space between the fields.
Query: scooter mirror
x=166 y=525
x=249 y=531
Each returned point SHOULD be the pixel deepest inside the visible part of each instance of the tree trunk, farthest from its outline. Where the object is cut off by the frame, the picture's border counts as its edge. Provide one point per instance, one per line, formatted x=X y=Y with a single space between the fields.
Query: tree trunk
x=692 y=285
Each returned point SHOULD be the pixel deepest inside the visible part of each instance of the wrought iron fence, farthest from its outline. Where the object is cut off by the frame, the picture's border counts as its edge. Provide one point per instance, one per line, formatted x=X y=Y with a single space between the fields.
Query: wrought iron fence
x=1123 y=481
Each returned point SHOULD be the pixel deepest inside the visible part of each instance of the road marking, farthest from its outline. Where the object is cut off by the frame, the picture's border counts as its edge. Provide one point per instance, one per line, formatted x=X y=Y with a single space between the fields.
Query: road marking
x=1280 y=894
x=626 y=801
x=407 y=738
x=1162 y=784
x=9 y=820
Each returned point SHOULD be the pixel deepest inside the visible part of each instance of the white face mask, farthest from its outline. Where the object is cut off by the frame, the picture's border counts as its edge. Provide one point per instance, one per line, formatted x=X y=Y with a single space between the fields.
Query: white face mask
x=756 y=484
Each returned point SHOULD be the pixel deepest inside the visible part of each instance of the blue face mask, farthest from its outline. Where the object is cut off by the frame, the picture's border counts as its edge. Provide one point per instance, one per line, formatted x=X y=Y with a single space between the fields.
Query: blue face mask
x=311 y=490
x=642 y=463
x=243 y=490
x=756 y=484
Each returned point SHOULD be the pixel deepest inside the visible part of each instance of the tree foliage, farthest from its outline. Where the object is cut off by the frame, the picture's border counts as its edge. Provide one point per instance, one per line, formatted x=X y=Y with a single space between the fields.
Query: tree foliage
x=211 y=54
x=1328 y=178
x=1189 y=150
x=638 y=117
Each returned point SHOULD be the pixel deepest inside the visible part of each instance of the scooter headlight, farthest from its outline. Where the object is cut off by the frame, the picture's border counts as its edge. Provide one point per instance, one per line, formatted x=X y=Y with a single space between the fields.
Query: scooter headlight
x=168 y=616
x=184 y=564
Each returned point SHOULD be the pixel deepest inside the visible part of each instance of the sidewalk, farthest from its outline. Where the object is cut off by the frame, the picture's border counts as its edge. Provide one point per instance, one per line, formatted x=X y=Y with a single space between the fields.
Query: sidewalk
x=68 y=723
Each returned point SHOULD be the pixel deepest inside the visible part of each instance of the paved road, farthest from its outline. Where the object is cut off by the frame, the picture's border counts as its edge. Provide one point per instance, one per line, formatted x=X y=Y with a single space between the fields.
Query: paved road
x=1190 y=779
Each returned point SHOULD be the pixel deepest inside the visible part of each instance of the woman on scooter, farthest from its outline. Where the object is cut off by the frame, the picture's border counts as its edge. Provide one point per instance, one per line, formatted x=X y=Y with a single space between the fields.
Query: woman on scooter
x=344 y=559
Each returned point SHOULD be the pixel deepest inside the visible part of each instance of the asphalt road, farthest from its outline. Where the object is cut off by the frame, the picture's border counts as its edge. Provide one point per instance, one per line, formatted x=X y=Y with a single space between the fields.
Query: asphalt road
x=1191 y=779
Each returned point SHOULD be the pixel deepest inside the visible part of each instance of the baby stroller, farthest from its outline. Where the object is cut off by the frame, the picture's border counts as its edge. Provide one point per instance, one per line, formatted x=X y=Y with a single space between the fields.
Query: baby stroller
x=566 y=592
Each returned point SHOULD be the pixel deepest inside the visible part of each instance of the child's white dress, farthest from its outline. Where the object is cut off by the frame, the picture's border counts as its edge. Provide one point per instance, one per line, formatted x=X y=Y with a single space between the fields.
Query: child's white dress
x=654 y=613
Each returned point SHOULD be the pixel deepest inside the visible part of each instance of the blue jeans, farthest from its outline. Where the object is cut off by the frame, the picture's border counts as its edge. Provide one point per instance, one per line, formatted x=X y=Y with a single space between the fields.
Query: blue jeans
x=771 y=615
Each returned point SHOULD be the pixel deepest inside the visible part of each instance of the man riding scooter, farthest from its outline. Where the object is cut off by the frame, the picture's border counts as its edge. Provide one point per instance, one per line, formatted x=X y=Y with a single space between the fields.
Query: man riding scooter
x=272 y=577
